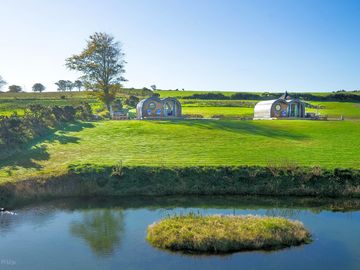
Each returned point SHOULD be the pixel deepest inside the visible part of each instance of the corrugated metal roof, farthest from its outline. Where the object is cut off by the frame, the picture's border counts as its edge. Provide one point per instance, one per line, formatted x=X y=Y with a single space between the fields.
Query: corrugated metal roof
x=266 y=102
x=262 y=109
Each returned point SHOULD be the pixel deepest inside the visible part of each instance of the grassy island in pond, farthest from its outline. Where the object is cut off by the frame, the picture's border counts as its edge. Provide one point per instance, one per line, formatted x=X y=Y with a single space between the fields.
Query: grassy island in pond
x=221 y=234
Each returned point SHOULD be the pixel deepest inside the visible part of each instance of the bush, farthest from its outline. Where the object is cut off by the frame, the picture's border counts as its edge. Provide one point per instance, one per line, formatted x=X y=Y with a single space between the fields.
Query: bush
x=84 y=112
x=218 y=116
x=38 y=120
x=132 y=101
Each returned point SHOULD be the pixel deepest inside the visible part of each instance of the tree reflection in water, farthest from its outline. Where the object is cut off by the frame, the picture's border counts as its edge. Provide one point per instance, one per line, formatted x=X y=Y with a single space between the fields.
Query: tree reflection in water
x=102 y=230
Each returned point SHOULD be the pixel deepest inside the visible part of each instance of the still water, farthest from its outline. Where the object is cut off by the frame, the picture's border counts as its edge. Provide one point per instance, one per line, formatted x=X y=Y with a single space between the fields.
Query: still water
x=110 y=234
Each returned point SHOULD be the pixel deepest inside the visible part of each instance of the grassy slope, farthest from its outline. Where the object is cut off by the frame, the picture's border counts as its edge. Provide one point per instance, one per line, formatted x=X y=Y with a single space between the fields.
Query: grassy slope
x=192 y=142
x=186 y=143
x=17 y=102
x=11 y=102
x=206 y=109
x=181 y=94
x=336 y=109
x=243 y=109
x=237 y=108
x=219 y=111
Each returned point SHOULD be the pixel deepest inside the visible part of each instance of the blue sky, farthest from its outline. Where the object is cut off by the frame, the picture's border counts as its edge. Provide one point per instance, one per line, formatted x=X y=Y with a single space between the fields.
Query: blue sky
x=252 y=45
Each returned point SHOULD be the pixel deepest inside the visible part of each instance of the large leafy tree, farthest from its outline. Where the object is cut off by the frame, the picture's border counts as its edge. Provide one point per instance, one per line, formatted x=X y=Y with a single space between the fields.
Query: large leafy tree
x=2 y=82
x=38 y=87
x=132 y=101
x=78 y=84
x=69 y=85
x=62 y=85
x=102 y=64
x=15 y=88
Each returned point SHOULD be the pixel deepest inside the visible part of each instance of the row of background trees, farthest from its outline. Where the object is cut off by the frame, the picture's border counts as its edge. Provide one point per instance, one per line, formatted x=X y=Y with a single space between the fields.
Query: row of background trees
x=37 y=87
x=66 y=85
x=63 y=85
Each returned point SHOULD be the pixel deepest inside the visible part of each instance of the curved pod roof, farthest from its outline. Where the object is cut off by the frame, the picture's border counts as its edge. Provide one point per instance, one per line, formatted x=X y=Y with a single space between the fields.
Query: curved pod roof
x=142 y=107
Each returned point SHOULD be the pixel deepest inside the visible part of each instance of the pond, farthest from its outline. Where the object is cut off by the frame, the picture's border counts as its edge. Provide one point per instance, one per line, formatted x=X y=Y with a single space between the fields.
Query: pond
x=105 y=233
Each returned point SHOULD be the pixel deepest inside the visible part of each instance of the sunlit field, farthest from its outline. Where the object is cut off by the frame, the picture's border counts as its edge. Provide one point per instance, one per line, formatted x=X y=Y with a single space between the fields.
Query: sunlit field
x=188 y=143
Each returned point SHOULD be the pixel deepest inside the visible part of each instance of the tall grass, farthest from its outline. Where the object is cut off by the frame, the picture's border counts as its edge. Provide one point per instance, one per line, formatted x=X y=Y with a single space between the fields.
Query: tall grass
x=219 y=234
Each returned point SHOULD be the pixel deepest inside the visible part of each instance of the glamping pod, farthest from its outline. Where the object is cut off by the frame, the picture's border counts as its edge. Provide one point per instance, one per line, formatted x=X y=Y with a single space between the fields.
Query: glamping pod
x=156 y=108
x=282 y=108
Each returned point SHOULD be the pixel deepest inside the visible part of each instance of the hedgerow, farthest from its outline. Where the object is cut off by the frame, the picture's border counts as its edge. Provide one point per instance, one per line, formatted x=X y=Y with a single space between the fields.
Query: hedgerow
x=37 y=121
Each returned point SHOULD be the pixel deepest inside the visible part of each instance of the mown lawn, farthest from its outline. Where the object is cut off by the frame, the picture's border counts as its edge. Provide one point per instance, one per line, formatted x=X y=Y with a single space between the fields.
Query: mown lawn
x=190 y=142
x=221 y=112
x=338 y=109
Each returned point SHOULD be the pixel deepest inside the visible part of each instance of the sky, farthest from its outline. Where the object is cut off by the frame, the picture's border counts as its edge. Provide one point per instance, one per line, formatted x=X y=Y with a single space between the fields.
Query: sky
x=240 y=45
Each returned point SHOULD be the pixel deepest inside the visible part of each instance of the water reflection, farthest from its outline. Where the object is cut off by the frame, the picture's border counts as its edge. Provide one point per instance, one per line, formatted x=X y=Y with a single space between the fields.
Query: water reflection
x=315 y=205
x=287 y=212
x=38 y=216
x=110 y=233
x=101 y=229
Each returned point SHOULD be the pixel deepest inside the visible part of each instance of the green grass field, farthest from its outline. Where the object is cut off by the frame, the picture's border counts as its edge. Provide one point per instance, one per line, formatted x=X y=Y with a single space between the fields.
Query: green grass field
x=190 y=142
x=336 y=109
x=350 y=111
x=223 y=112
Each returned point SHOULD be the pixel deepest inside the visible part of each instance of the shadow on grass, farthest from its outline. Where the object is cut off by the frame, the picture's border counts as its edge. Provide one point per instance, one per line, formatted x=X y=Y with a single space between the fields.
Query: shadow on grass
x=248 y=127
x=28 y=155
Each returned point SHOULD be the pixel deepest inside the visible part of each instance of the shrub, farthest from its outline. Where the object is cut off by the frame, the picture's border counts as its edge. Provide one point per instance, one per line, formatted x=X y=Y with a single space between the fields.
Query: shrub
x=38 y=120
x=132 y=101
x=218 y=116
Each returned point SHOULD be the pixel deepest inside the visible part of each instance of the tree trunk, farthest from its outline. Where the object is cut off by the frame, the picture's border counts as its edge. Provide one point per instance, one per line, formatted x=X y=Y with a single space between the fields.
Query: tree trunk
x=110 y=111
